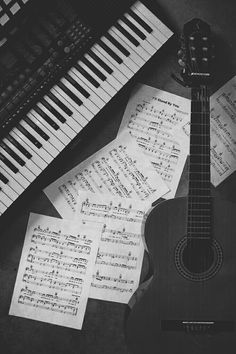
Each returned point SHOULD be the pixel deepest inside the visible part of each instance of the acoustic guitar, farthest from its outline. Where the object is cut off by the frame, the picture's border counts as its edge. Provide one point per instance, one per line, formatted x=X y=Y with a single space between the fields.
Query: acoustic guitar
x=190 y=305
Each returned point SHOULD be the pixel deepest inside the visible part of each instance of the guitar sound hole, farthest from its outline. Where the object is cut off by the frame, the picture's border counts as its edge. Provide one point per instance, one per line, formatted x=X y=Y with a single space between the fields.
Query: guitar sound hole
x=199 y=261
x=198 y=257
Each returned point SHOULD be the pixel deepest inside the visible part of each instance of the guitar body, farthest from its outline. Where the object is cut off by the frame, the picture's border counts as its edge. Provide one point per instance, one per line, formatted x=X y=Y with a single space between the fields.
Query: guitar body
x=173 y=314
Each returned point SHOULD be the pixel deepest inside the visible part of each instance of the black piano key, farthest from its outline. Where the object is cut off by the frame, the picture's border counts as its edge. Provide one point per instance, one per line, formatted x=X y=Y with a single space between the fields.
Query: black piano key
x=19 y=147
x=60 y=104
x=3 y=178
x=70 y=94
x=133 y=28
x=100 y=62
x=55 y=113
x=87 y=76
x=51 y=122
x=8 y=163
x=77 y=86
x=37 y=128
x=127 y=34
x=12 y=154
x=140 y=21
x=110 y=52
x=117 y=45
x=29 y=136
x=94 y=69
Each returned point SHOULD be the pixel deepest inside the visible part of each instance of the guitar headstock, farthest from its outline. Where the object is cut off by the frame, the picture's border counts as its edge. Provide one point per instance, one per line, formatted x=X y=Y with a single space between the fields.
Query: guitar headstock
x=195 y=55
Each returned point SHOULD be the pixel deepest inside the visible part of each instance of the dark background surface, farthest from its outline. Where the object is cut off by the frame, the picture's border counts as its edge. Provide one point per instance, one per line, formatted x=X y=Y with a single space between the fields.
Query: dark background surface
x=103 y=328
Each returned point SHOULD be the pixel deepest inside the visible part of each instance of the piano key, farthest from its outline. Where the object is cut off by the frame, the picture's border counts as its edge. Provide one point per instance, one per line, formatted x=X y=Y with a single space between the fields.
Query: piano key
x=86 y=75
x=19 y=147
x=23 y=181
x=107 y=49
x=69 y=93
x=12 y=153
x=36 y=128
x=110 y=78
x=98 y=97
x=146 y=46
x=6 y=161
x=36 y=158
x=81 y=111
x=77 y=85
x=46 y=117
x=158 y=27
x=131 y=67
x=127 y=34
x=88 y=104
x=53 y=111
x=5 y=199
x=29 y=136
x=3 y=207
x=136 y=52
x=22 y=170
x=14 y=182
x=134 y=28
x=139 y=49
x=138 y=19
x=59 y=103
x=3 y=178
x=70 y=125
x=80 y=119
x=29 y=163
x=94 y=69
x=116 y=72
x=117 y=44
x=156 y=43
x=9 y=191
x=48 y=150
x=104 y=87
x=106 y=67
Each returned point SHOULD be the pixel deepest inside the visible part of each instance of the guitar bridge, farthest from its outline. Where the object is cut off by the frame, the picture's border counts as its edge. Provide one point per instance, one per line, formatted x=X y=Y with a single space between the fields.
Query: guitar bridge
x=198 y=327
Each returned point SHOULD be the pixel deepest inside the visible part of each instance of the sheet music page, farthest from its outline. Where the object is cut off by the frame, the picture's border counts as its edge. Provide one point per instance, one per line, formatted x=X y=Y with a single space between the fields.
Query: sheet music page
x=223 y=132
x=55 y=271
x=156 y=119
x=120 y=169
x=119 y=260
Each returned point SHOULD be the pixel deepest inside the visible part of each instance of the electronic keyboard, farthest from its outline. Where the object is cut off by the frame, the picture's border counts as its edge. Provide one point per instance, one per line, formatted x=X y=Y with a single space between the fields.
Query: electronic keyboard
x=57 y=76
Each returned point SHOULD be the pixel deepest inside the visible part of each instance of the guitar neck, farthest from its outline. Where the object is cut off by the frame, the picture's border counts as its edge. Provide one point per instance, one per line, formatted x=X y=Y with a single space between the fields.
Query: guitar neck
x=199 y=200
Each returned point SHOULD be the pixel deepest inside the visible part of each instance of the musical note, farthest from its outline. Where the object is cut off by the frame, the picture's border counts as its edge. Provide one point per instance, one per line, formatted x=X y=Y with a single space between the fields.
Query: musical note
x=119 y=259
x=119 y=169
x=55 y=271
x=156 y=119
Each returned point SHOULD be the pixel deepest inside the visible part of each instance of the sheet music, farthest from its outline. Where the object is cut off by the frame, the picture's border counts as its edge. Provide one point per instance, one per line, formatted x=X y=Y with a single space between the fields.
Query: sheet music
x=223 y=132
x=120 y=169
x=156 y=119
x=55 y=271
x=119 y=260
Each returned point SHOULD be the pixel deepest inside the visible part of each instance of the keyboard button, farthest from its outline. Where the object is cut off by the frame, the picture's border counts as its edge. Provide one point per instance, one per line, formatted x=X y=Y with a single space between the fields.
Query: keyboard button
x=87 y=76
x=77 y=86
x=127 y=35
x=51 y=122
x=60 y=104
x=106 y=67
x=117 y=44
x=12 y=153
x=7 y=162
x=29 y=136
x=53 y=111
x=109 y=51
x=36 y=128
x=139 y=33
x=3 y=178
x=69 y=93
x=19 y=147
x=138 y=19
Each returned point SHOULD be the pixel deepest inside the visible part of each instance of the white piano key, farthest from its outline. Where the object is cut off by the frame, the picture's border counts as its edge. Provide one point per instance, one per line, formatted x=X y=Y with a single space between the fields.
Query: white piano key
x=3 y=207
x=9 y=191
x=71 y=123
x=13 y=182
x=110 y=91
x=93 y=96
x=59 y=146
x=5 y=198
x=23 y=170
x=38 y=160
x=79 y=117
x=30 y=164
x=147 y=46
x=132 y=67
x=116 y=72
x=47 y=151
x=156 y=43
x=152 y=20
x=17 y=176
x=110 y=78
x=141 y=55
x=89 y=106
